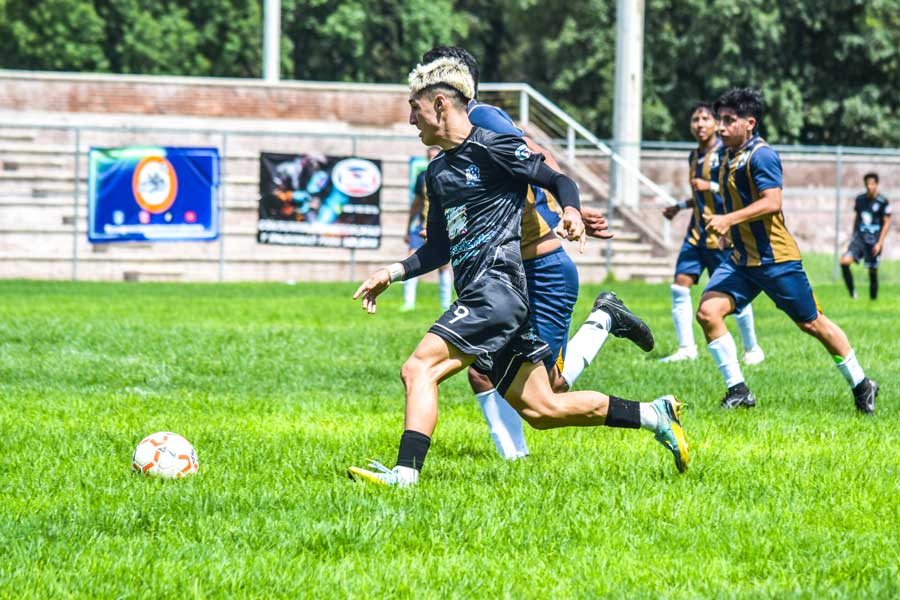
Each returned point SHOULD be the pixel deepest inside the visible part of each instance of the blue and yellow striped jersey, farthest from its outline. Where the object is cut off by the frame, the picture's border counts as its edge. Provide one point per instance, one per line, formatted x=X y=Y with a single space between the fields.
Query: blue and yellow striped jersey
x=705 y=166
x=749 y=171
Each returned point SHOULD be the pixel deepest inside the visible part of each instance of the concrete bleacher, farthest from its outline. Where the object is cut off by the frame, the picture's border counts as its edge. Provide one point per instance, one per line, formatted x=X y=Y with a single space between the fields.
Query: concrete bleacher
x=43 y=231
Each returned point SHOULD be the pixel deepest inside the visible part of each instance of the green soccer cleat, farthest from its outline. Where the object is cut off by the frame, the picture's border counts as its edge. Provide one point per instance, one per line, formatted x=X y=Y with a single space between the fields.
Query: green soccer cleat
x=670 y=434
x=398 y=476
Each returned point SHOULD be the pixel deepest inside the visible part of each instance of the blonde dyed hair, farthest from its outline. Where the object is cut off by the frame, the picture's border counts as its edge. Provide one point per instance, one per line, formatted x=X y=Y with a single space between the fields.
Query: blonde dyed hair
x=443 y=71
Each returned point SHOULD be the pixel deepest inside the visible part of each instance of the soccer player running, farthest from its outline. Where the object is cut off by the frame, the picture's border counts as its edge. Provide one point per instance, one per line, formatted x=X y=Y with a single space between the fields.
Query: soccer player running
x=414 y=239
x=700 y=250
x=552 y=281
x=766 y=257
x=870 y=226
x=477 y=189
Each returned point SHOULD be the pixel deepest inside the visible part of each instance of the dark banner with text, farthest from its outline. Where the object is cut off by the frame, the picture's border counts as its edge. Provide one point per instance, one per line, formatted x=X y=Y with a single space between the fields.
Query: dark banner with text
x=315 y=200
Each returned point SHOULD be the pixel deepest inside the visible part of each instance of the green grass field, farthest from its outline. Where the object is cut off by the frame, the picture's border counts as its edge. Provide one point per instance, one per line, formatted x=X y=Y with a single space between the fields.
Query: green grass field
x=280 y=388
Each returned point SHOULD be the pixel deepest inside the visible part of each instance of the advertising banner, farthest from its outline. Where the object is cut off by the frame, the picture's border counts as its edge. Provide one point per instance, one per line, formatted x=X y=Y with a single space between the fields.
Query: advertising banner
x=315 y=200
x=153 y=193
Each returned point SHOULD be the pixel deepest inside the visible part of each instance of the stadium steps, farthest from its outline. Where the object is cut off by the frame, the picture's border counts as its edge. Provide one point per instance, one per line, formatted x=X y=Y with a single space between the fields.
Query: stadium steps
x=37 y=213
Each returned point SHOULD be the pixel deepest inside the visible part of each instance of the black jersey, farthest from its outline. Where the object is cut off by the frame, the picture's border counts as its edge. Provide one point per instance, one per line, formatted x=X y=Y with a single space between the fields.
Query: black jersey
x=477 y=193
x=870 y=213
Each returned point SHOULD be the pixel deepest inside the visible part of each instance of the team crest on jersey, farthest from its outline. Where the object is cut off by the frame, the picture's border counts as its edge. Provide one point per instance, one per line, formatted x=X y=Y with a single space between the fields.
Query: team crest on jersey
x=473 y=175
x=740 y=162
x=714 y=160
x=523 y=153
x=457 y=224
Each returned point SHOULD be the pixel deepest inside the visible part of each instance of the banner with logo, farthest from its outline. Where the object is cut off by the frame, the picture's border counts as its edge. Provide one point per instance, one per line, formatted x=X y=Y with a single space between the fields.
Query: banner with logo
x=153 y=193
x=315 y=200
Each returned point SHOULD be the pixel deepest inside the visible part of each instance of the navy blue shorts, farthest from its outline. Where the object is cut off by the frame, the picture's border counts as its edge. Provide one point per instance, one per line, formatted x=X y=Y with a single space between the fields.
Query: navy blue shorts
x=416 y=241
x=693 y=259
x=552 y=293
x=785 y=283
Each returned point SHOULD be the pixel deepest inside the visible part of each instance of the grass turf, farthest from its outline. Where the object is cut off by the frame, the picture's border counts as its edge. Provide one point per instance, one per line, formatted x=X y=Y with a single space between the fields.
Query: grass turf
x=280 y=388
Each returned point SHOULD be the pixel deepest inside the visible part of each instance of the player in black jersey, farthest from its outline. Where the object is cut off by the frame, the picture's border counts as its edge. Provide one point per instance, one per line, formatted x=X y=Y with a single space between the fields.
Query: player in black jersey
x=870 y=226
x=477 y=189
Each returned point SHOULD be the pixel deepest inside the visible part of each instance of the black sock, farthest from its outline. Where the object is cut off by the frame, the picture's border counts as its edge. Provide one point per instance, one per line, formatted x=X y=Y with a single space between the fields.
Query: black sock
x=848 y=278
x=623 y=413
x=413 y=448
x=739 y=388
x=873 y=283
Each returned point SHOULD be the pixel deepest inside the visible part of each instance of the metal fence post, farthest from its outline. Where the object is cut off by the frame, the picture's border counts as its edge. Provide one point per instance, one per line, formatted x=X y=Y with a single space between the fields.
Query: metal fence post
x=223 y=170
x=523 y=107
x=76 y=198
x=837 y=213
x=570 y=144
x=610 y=213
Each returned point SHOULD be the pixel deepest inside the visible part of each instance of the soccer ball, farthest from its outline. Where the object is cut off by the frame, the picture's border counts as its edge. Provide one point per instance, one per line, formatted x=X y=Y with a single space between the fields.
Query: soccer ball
x=166 y=455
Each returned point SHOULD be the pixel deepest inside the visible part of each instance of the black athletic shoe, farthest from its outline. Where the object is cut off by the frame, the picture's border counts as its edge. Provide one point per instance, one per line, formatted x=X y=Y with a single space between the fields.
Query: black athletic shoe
x=623 y=322
x=864 y=395
x=737 y=396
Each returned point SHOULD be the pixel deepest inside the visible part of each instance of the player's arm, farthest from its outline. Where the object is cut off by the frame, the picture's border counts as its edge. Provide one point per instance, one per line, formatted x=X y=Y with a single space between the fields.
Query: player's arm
x=879 y=245
x=538 y=149
x=414 y=209
x=769 y=202
x=565 y=191
x=434 y=253
x=670 y=211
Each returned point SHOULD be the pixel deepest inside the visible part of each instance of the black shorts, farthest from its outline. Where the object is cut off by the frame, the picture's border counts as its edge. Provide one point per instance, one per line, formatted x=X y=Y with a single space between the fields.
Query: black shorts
x=860 y=251
x=490 y=321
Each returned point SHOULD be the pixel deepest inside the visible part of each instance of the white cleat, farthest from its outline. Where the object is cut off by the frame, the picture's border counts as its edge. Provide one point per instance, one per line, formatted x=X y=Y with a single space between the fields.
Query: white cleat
x=683 y=353
x=754 y=355
x=381 y=475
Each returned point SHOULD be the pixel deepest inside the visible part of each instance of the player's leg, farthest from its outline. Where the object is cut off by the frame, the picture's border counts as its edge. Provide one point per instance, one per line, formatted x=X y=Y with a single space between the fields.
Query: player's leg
x=728 y=289
x=445 y=278
x=789 y=288
x=872 y=263
x=552 y=292
x=609 y=315
x=433 y=360
x=530 y=393
x=504 y=423
x=409 y=286
x=688 y=269
x=852 y=255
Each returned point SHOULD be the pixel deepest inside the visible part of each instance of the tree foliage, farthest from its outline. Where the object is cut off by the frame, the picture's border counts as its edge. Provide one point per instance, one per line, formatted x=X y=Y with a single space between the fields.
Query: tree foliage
x=828 y=70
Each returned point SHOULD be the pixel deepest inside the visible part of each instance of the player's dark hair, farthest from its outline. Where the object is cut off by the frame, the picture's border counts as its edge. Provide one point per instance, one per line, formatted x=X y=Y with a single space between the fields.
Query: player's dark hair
x=745 y=102
x=460 y=54
x=453 y=94
x=702 y=106
x=870 y=175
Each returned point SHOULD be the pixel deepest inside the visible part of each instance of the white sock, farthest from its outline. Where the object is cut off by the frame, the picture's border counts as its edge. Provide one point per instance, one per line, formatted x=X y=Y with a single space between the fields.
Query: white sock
x=446 y=282
x=409 y=291
x=585 y=344
x=505 y=425
x=683 y=315
x=649 y=416
x=850 y=369
x=724 y=353
x=745 y=326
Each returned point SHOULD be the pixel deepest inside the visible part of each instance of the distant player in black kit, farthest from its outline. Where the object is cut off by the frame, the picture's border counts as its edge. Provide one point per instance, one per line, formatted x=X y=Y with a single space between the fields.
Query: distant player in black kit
x=477 y=188
x=870 y=226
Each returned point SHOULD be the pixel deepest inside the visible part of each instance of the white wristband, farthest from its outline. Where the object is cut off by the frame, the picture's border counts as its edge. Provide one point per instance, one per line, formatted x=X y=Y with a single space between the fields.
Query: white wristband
x=681 y=204
x=396 y=272
x=714 y=187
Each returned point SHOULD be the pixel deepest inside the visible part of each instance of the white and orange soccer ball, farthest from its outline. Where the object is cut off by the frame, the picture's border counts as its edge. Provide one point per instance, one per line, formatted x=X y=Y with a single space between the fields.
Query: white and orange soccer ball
x=166 y=455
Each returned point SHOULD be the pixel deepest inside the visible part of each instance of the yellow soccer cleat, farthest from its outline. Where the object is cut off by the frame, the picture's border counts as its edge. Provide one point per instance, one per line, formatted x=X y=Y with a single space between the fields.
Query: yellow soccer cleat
x=398 y=476
x=670 y=433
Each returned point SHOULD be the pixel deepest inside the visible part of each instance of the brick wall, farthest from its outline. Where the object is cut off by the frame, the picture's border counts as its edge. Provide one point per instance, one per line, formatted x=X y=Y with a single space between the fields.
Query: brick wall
x=380 y=106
